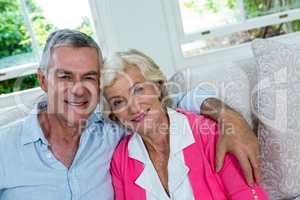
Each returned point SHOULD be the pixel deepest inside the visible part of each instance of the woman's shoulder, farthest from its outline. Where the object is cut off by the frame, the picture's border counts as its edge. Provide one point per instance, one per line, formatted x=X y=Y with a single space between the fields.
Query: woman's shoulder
x=195 y=118
x=122 y=147
x=204 y=129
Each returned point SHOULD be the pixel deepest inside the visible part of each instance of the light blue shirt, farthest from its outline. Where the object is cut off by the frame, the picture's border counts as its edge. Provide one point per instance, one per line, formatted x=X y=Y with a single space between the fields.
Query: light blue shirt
x=29 y=171
x=192 y=100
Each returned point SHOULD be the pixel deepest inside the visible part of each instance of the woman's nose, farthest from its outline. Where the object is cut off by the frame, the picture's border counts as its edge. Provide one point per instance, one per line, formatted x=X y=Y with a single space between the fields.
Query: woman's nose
x=134 y=106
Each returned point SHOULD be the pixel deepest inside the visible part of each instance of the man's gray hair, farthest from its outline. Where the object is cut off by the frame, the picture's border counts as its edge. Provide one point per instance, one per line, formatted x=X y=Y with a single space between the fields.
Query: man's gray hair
x=66 y=38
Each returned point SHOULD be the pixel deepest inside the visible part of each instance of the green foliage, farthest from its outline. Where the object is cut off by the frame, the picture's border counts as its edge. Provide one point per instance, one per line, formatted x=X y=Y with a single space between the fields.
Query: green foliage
x=231 y=4
x=16 y=42
x=85 y=27
x=212 y=5
x=17 y=84
x=262 y=7
x=13 y=36
x=41 y=26
x=252 y=8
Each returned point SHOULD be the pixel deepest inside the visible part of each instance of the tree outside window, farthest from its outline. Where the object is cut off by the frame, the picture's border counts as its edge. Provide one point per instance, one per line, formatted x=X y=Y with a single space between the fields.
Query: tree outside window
x=16 y=44
x=206 y=15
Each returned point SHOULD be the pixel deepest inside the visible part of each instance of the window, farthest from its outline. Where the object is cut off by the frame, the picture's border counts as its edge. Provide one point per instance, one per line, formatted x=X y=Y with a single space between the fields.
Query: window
x=24 y=27
x=209 y=25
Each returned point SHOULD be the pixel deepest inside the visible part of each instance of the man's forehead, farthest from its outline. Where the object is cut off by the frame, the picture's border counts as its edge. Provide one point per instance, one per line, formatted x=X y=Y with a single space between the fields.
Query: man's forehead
x=75 y=59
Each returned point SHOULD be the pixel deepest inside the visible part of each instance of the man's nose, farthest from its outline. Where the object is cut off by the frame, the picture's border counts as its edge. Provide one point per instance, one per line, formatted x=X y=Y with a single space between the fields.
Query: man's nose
x=77 y=88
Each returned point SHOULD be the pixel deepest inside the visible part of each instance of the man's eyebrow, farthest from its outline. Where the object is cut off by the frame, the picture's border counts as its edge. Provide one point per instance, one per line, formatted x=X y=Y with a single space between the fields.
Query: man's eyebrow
x=62 y=71
x=92 y=73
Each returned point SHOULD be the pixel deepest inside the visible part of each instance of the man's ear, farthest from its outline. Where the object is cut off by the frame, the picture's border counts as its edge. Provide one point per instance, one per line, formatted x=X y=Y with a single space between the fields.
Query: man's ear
x=43 y=80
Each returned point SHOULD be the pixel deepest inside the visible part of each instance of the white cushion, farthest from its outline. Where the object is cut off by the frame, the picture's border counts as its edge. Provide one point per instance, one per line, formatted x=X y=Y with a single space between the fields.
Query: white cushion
x=230 y=83
x=278 y=110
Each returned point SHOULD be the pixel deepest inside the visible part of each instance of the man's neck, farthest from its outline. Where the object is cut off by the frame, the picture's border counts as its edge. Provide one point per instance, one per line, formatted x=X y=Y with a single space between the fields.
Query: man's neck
x=56 y=127
x=63 y=139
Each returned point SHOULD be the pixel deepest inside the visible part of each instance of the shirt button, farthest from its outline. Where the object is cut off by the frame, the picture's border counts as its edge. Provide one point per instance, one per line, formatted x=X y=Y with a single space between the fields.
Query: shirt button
x=49 y=155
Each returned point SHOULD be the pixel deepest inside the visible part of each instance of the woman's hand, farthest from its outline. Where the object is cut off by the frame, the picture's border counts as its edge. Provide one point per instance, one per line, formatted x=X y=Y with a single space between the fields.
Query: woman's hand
x=236 y=137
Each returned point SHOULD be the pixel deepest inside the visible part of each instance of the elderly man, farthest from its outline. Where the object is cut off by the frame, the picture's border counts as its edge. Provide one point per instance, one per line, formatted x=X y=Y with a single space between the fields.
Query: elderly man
x=62 y=150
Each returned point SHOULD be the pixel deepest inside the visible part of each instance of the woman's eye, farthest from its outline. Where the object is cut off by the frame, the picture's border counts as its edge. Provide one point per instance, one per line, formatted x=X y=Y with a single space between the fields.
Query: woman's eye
x=138 y=90
x=117 y=104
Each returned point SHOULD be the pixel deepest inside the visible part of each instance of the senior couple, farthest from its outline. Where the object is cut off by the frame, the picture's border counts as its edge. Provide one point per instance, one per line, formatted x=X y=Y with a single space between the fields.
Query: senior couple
x=68 y=149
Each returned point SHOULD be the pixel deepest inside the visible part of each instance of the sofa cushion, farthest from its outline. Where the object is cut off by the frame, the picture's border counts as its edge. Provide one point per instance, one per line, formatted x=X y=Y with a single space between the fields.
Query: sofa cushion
x=278 y=111
x=229 y=82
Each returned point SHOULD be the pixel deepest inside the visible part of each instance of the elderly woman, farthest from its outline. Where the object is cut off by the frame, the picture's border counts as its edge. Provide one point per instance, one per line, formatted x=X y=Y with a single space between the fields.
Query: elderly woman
x=168 y=154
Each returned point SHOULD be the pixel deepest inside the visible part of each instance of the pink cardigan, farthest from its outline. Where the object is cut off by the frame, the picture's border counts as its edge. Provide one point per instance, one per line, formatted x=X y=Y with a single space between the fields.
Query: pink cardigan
x=199 y=157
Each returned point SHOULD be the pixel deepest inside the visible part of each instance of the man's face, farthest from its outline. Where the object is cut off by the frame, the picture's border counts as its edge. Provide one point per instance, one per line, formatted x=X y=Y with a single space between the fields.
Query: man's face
x=72 y=83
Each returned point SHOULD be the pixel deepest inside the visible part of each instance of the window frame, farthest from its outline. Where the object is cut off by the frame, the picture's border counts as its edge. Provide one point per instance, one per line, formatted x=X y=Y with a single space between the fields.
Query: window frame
x=31 y=67
x=26 y=68
x=173 y=9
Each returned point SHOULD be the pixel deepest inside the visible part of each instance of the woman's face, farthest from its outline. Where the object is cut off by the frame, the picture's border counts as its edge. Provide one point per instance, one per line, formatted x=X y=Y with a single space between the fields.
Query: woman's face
x=134 y=101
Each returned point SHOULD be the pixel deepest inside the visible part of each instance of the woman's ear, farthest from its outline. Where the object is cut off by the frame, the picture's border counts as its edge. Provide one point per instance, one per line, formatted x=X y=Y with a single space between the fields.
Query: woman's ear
x=159 y=88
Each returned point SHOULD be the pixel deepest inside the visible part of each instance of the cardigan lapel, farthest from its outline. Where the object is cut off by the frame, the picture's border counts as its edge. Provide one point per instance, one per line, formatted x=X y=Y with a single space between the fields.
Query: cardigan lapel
x=202 y=176
x=148 y=178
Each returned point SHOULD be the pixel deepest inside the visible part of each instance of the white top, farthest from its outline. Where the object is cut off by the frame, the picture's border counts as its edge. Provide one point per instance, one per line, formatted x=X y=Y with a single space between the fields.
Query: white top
x=179 y=185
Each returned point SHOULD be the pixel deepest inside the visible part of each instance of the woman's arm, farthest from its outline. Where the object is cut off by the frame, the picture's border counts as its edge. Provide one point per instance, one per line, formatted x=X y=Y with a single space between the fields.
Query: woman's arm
x=235 y=184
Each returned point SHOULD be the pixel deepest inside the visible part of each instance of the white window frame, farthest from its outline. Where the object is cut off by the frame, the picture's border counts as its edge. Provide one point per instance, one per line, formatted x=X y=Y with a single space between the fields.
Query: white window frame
x=31 y=67
x=229 y=54
x=173 y=9
x=27 y=68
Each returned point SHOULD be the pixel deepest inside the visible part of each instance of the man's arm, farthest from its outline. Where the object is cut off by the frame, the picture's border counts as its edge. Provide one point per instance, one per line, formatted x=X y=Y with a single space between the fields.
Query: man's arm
x=236 y=138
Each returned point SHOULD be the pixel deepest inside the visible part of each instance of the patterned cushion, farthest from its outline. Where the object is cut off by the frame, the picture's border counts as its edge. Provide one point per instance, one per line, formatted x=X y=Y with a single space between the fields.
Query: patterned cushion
x=278 y=109
x=230 y=84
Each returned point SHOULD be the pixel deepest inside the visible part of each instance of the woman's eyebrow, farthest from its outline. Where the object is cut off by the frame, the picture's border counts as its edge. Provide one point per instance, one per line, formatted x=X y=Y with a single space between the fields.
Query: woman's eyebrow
x=114 y=97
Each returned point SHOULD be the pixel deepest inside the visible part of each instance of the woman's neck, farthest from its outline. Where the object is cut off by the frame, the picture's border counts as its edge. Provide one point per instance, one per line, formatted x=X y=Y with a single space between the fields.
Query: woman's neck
x=157 y=138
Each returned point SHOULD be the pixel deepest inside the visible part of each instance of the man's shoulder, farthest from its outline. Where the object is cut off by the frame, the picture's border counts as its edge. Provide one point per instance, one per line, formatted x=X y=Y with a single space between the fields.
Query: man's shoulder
x=11 y=130
x=112 y=131
x=10 y=136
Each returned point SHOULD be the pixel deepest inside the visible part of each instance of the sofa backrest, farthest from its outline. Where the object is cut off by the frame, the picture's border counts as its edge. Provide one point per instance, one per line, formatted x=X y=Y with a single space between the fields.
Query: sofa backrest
x=232 y=82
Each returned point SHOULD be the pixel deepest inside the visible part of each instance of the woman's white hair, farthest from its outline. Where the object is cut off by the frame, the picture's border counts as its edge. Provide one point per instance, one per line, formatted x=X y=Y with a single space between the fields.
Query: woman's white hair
x=151 y=71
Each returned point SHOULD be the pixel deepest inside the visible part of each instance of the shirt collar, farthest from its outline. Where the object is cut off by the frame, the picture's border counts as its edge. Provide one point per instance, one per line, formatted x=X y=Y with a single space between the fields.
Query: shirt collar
x=32 y=130
x=181 y=136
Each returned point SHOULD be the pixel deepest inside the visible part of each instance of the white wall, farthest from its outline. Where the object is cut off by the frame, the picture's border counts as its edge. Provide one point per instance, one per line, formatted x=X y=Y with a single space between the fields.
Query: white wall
x=136 y=24
x=150 y=26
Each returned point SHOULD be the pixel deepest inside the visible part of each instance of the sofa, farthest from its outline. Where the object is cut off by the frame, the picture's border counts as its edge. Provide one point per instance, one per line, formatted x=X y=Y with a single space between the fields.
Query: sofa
x=236 y=83
x=266 y=90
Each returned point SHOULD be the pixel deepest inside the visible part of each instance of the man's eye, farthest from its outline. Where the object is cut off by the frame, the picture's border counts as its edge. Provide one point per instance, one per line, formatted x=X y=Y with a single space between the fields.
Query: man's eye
x=65 y=77
x=91 y=78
